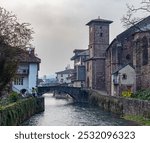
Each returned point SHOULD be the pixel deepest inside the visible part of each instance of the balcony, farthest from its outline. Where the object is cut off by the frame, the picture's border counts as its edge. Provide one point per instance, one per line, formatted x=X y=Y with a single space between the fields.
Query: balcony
x=23 y=71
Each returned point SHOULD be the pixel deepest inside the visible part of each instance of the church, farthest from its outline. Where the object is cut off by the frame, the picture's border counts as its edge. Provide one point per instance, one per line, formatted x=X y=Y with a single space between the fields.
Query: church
x=122 y=65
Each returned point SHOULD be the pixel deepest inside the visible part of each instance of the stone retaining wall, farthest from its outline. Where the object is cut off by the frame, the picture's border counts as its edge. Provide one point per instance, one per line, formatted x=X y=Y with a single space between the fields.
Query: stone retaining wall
x=17 y=112
x=120 y=105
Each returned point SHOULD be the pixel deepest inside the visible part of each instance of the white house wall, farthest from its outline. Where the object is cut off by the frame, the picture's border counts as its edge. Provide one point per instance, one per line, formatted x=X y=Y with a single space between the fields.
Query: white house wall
x=129 y=81
x=63 y=77
x=18 y=88
x=33 y=69
x=130 y=72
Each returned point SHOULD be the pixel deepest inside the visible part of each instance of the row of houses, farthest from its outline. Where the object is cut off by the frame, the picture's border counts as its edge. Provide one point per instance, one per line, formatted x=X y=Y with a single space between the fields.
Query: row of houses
x=116 y=67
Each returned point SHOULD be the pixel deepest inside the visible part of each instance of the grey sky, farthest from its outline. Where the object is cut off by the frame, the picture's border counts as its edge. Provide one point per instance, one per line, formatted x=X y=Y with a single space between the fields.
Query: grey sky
x=59 y=25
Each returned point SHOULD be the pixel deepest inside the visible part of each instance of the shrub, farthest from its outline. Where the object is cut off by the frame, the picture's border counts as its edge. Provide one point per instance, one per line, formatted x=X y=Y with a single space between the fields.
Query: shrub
x=126 y=93
x=14 y=96
x=142 y=94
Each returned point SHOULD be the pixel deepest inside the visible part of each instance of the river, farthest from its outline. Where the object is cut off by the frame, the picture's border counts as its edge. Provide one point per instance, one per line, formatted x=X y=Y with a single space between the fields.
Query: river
x=62 y=112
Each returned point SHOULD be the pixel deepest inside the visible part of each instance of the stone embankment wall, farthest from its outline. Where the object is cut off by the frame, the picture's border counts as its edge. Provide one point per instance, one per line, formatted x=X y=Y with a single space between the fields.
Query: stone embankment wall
x=120 y=105
x=15 y=113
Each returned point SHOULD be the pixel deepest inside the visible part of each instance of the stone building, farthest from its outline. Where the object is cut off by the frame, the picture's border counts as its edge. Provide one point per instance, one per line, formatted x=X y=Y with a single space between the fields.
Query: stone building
x=98 y=43
x=141 y=59
x=130 y=47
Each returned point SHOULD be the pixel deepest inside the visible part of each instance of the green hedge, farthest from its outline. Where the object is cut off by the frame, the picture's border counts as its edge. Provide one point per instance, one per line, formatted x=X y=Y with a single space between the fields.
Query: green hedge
x=17 y=112
x=142 y=94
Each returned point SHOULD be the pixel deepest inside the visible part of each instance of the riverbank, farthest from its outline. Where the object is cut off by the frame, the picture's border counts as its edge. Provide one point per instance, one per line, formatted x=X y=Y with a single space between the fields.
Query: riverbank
x=138 y=119
x=15 y=113
x=128 y=108
x=61 y=112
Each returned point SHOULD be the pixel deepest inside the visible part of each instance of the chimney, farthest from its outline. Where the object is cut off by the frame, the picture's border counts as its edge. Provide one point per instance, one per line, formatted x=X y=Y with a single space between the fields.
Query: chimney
x=31 y=51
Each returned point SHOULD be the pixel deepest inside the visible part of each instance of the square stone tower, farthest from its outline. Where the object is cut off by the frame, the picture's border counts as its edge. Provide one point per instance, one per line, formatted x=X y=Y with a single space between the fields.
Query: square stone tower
x=98 y=43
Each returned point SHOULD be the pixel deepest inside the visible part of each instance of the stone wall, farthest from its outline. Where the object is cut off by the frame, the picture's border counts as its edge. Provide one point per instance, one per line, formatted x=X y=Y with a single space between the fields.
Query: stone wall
x=120 y=105
x=15 y=113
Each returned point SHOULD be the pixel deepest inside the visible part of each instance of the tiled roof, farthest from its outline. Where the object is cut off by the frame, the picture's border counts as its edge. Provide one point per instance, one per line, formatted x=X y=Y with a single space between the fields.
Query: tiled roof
x=27 y=57
x=23 y=55
x=99 y=20
x=140 y=26
x=68 y=71
x=120 y=68
x=82 y=52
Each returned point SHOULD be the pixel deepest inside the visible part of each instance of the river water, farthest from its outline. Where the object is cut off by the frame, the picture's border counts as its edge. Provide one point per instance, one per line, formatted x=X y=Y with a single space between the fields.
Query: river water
x=62 y=112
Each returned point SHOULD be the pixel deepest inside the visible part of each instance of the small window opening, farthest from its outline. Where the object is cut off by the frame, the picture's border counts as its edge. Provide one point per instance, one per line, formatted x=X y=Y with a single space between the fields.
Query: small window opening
x=124 y=77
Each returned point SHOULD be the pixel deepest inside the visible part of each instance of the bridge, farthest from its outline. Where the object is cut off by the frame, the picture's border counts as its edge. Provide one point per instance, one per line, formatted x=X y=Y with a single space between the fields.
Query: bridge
x=78 y=94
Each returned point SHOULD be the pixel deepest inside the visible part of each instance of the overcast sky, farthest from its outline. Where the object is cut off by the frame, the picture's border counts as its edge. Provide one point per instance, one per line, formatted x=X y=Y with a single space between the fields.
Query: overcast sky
x=59 y=25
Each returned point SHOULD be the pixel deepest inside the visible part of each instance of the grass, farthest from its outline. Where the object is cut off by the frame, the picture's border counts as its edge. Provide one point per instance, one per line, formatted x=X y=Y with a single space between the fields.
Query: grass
x=138 y=119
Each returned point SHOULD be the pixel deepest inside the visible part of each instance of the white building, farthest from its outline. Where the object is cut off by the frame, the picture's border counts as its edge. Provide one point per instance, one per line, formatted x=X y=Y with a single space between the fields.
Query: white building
x=27 y=73
x=79 y=58
x=64 y=77
x=123 y=79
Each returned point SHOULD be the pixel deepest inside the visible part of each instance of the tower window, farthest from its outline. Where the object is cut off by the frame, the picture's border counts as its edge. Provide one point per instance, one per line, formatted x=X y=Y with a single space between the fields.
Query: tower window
x=87 y=66
x=128 y=57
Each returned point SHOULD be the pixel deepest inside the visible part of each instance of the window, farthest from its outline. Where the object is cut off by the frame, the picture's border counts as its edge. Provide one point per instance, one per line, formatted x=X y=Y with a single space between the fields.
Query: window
x=87 y=66
x=145 y=50
x=101 y=34
x=124 y=76
x=18 y=81
x=137 y=46
x=128 y=57
x=61 y=75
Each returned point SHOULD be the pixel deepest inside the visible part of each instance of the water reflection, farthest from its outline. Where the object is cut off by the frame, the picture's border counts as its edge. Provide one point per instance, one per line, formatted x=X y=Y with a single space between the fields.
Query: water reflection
x=60 y=112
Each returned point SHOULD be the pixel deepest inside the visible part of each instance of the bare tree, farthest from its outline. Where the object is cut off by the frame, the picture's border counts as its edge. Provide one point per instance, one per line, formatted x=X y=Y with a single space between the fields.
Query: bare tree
x=13 y=33
x=14 y=38
x=131 y=17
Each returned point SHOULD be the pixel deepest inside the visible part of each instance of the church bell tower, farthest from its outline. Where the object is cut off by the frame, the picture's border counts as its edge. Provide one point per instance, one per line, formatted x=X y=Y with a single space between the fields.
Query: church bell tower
x=98 y=43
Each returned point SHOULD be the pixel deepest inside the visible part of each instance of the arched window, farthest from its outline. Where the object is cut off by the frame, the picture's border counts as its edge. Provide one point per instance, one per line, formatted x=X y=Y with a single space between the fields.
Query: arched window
x=128 y=57
x=145 y=50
